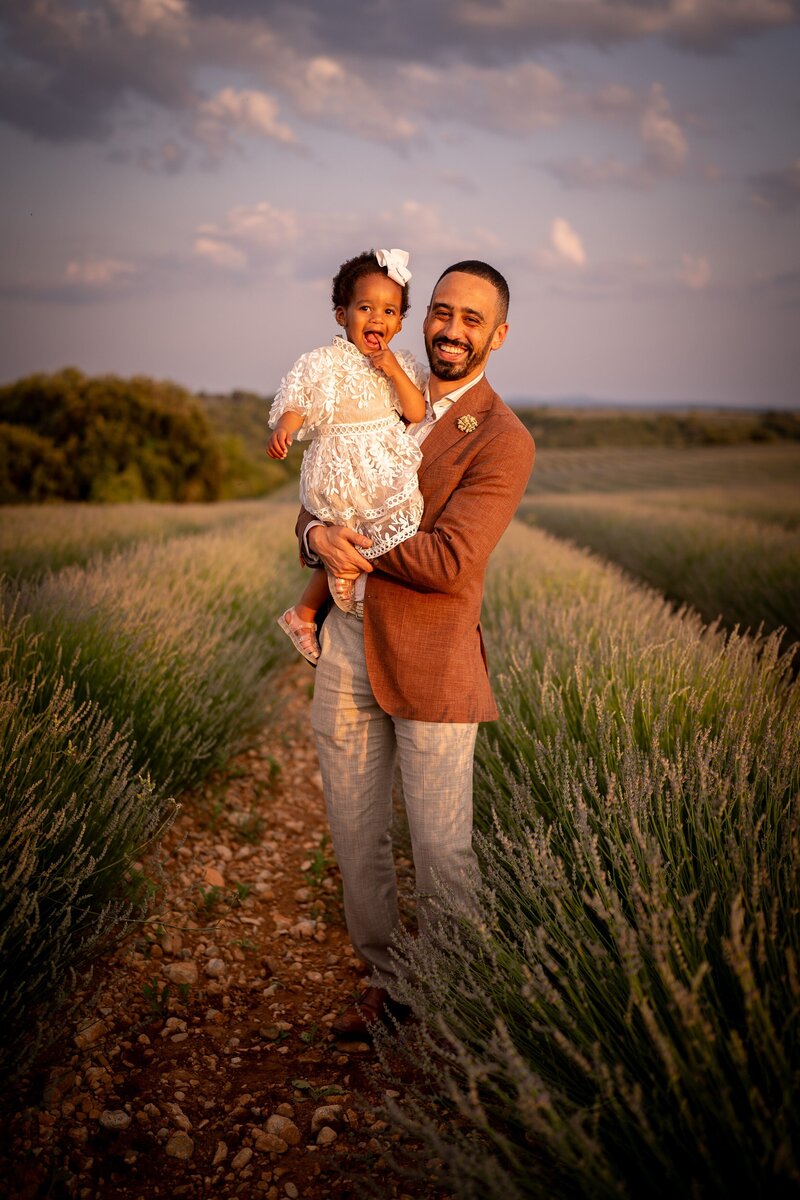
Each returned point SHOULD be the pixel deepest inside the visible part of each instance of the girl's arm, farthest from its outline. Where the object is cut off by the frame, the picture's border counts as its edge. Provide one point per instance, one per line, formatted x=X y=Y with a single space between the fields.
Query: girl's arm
x=281 y=437
x=412 y=401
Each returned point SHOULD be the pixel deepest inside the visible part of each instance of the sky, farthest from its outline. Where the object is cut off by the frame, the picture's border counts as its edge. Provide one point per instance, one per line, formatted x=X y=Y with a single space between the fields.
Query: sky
x=182 y=178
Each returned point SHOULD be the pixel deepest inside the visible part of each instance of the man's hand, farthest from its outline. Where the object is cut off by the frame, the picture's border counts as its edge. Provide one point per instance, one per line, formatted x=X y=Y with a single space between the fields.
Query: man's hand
x=337 y=547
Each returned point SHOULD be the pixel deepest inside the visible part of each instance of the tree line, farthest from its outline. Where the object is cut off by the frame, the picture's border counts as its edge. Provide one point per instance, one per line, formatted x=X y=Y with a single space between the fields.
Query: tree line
x=71 y=437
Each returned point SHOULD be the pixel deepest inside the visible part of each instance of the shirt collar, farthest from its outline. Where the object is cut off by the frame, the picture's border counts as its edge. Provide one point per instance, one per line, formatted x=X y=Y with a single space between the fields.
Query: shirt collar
x=444 y=402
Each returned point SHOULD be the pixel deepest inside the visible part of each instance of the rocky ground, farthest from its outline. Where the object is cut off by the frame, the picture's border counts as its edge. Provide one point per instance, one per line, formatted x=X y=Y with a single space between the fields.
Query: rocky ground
x=200 y=1063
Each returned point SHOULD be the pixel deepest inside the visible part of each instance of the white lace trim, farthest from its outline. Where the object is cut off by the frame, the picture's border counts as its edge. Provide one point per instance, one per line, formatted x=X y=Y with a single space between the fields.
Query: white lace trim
x=401 y=536
x=357 y=427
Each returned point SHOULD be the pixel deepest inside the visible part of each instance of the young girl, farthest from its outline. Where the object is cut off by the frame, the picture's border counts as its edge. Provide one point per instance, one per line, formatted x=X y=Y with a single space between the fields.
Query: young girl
x=361 y=468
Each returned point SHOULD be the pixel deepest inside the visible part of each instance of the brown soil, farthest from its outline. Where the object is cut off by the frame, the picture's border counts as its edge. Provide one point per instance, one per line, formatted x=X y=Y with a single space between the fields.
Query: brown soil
x=207 y=1037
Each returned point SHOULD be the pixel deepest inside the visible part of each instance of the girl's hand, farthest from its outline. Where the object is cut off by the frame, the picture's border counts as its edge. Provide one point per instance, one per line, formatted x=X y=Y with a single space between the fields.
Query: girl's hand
x=384 y=359
x=278 y=445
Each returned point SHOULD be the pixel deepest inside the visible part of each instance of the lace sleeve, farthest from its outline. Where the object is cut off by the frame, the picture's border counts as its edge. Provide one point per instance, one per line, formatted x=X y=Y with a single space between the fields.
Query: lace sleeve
x=414 y=370
x=299 y=393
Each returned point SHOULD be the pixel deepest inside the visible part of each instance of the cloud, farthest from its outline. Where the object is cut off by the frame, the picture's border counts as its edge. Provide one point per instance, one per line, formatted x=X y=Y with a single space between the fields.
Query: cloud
x=84 y=280
x=695 y=272
x=637 y=277
x=492 y=30
x=247 y=112
x=701 y=25
x=665 y=147
x=259 y=237
x=94 y=272
x=515 y=100
x=777 y=191
x=220 y=253
x=144 y=17
x=458 y=180
x=567 y=243
x=664 y=153
x=595 y=174
x=377 y=71
x=563 y=251
x=248 y=234
x=783 y=288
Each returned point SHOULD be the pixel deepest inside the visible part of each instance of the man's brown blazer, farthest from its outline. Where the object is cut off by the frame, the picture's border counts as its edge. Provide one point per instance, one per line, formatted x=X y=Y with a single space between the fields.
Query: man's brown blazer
x=422 y=635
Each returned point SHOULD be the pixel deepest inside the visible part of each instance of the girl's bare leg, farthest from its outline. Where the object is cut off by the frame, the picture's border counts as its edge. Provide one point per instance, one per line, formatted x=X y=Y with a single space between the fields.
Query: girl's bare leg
x=298 y=622
x=315 y=593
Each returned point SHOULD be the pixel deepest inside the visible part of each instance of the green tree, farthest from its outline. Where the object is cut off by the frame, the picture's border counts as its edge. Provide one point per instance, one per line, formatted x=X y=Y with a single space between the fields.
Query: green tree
x=118 y=439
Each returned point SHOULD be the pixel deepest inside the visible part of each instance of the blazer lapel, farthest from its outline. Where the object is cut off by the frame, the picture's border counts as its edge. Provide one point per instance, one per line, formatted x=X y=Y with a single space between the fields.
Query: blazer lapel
x=445 y=433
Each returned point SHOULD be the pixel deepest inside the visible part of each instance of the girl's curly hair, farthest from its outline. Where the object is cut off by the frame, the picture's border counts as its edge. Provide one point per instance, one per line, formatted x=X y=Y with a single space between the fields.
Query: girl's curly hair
x=345 y=279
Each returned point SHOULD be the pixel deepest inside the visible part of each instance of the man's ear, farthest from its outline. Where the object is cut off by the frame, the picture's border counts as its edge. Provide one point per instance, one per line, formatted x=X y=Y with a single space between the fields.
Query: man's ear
x=499 y=336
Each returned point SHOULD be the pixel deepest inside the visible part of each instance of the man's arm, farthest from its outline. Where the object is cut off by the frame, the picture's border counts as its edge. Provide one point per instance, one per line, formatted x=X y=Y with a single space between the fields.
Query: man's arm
x=471 y=523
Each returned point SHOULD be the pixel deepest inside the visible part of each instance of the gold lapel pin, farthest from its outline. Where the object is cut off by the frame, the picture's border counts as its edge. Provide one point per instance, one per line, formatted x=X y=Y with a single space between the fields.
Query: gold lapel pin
x=467 y=423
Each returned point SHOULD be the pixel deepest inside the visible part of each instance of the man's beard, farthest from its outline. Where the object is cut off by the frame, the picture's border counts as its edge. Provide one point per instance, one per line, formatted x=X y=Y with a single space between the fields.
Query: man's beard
x=450 y=371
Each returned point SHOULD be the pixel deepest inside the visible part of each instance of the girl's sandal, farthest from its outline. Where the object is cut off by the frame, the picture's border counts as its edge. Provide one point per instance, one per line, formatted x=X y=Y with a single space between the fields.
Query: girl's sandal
x=303 y=635
x=343 y=592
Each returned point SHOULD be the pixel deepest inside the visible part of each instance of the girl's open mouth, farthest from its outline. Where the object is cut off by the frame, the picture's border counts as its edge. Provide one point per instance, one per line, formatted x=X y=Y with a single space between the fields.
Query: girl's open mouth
x=372 y=340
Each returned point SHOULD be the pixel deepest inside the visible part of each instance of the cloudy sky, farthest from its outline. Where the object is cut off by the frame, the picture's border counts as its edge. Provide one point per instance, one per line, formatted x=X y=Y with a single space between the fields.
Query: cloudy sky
x=181 y=178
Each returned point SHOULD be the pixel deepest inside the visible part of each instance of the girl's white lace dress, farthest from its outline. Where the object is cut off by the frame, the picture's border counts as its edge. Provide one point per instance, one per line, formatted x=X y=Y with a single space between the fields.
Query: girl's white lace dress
x=361 y=468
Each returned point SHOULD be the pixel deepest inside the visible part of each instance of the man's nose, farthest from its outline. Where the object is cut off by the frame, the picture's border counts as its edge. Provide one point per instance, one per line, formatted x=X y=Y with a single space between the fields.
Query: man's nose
x=453 y=328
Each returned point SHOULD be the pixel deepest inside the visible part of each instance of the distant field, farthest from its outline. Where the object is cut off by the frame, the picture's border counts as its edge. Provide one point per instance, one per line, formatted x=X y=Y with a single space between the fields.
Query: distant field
x=657 y=467
x=37 y=538
x=713 y=527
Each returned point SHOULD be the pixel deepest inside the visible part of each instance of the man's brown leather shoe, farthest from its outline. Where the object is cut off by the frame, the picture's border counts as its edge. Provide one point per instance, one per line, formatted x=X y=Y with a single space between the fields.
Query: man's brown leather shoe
x=374 y=1004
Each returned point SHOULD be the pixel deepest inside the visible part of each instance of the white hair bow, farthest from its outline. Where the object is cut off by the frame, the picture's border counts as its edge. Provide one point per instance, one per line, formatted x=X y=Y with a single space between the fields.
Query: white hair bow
x=395 y=262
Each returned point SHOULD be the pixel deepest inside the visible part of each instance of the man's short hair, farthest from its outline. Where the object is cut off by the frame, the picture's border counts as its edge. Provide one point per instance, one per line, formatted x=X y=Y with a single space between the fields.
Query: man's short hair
x=473 y=266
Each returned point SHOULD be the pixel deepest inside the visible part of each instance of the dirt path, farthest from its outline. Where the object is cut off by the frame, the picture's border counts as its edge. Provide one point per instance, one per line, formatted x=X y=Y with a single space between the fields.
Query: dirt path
x=203 y=1066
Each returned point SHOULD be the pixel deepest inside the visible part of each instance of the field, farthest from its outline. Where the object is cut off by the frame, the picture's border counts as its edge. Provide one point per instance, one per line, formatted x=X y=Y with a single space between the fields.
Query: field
x=622 y=1019
x=34 y=540
x=121 y=682
x=715 y=528
x=621 y=1016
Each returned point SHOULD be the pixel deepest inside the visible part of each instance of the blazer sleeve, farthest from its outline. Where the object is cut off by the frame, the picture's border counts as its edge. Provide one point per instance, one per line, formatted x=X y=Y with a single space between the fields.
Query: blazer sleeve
x=304 y=519
x=472 y=521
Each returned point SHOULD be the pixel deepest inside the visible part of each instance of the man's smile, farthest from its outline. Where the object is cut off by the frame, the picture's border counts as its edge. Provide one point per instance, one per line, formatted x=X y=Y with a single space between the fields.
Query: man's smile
x=449 y=349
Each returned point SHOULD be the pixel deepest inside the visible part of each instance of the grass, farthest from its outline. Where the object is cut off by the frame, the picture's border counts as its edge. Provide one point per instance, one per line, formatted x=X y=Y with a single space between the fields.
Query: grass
x=75 y=812
x=742 y=570
x=772 y=503
x=646 y=468
x=620 y=1018
x=174 y=639
x=120 y=681
x=35 y=539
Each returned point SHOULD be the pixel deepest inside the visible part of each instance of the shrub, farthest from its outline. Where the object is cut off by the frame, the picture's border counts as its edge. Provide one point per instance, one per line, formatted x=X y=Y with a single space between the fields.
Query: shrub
x=31 y=467
x=117 y=438
x=725 y=566
x=35 y=539
x=621 y=1017
x=74 y=812
x=173 y=640
x=117 y=680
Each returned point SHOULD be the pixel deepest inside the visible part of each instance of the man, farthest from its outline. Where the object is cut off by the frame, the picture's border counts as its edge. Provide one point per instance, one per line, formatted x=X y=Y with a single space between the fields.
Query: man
x=405 y=679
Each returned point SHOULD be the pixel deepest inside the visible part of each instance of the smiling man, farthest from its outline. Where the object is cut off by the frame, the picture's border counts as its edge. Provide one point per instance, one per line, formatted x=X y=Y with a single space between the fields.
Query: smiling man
x=404 y=680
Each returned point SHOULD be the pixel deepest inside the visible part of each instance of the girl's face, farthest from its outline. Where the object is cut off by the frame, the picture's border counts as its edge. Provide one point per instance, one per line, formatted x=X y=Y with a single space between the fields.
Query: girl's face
x=373 y=312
